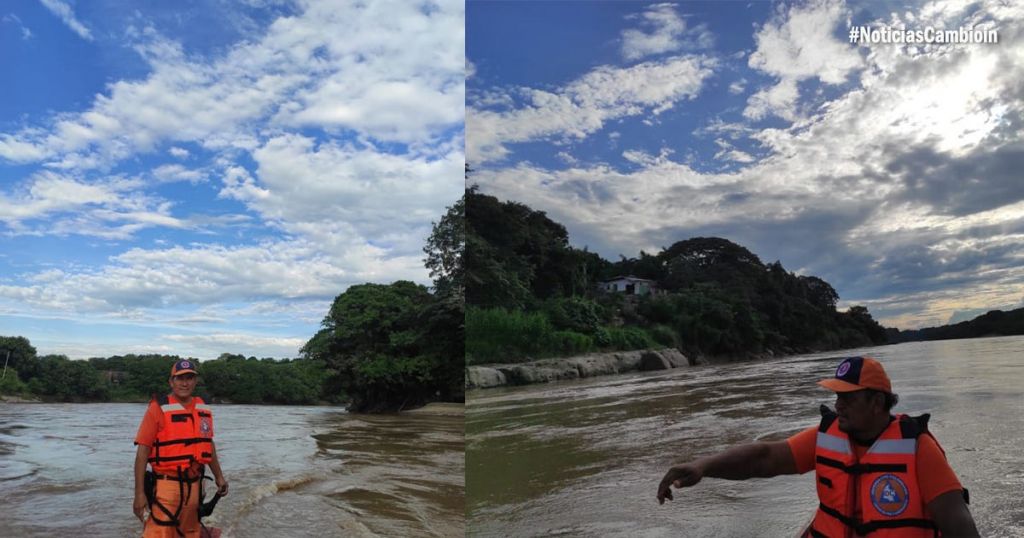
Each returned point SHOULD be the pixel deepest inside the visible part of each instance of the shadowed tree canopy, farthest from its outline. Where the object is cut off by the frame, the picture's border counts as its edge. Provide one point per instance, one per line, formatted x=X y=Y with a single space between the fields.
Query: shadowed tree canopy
x=390 y=345
x=516 y=255
x=445 y=250
x=991 y=323
x=714 y=297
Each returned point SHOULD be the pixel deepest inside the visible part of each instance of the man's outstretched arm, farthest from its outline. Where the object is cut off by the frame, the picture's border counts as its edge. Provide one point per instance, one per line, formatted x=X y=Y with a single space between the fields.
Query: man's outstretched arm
x=756 y=460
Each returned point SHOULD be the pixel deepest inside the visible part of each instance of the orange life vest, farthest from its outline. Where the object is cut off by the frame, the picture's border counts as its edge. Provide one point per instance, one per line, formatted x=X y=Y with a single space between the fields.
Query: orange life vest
x=883 y=482
x=185 y=436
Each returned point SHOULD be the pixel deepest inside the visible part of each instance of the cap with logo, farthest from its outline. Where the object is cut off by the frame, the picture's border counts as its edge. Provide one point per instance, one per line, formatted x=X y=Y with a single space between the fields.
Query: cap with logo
x=858 y=373
x=184 y=366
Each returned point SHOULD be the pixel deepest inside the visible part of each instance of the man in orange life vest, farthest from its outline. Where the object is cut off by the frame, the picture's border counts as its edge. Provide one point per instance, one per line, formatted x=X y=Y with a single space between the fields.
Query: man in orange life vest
x=176 y=439
x=877 y=474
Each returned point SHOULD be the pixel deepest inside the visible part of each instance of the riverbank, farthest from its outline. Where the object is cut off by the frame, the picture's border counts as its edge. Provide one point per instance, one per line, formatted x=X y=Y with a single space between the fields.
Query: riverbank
x=583 y=366
x=439 y=409
x=7 y=398
x=485 y=376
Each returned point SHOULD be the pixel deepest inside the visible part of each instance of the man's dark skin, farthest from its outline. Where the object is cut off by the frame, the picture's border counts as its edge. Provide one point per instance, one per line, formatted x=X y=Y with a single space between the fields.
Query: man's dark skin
x=862 y=415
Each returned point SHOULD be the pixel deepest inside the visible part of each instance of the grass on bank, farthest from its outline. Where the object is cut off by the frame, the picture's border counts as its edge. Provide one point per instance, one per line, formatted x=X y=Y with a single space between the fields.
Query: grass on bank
x=500 y=335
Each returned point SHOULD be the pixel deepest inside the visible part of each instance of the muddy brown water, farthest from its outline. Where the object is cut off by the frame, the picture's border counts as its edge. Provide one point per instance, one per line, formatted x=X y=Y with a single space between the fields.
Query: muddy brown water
x=65 y=470
x=584 y=458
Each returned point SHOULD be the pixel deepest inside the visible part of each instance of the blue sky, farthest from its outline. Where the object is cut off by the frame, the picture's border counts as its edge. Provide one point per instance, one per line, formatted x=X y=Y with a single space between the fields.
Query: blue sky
x=200 y=177
x=892 y=171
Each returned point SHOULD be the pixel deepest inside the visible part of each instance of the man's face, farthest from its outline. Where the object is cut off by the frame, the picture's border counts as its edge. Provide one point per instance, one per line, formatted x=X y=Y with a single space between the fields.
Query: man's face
x=183 y=385
x=855 y=410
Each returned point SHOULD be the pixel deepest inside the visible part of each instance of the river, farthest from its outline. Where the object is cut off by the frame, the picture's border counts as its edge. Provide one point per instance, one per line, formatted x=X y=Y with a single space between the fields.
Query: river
x=584 y=458
x=66 y=470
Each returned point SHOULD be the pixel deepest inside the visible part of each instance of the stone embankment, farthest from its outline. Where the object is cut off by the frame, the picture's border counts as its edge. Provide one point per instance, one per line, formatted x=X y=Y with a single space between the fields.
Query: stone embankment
x=543 y=371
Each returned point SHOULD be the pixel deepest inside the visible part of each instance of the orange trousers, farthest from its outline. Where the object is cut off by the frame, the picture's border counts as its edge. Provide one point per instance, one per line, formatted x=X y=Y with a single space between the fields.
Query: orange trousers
x=168 y=493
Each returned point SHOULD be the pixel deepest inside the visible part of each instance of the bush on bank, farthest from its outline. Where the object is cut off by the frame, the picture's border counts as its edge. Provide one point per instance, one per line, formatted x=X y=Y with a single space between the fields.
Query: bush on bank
x=500 y=335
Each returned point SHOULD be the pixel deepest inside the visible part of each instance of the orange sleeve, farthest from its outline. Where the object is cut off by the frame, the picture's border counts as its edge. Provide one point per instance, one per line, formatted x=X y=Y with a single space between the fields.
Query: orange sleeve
x=934 y=475
x=802 y=446
x=149 y=425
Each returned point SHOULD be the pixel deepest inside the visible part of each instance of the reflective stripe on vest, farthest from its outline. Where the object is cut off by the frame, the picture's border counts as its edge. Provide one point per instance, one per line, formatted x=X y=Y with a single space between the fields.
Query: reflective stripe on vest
x=883 y=483
x=182 y=438
x=894 y=446
x=833 y=443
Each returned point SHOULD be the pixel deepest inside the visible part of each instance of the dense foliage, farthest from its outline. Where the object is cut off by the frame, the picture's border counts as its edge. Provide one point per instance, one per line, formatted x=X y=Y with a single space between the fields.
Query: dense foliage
x=392 y=346
x=993 y=323
x=445 y=250
x=133 y=378
x=530 y=294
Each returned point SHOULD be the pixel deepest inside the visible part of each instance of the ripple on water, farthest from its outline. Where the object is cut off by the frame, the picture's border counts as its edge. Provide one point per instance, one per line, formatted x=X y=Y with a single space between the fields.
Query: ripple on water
x=13 y=470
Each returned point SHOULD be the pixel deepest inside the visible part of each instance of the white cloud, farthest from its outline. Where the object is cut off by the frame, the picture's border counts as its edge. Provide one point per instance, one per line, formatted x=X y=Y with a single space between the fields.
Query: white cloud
x=175 y=172
x=364 y=205
x=583 y=106
x=11 y=18
x=377 y=89
x=738 y=86
x=139 y=280
x=212 y=344
x=112 y=208
x=728 y=152
x=19 y=151
x=567 y=158
x=67 y=15
x=778 y=100
x=50 y=192
x=797 y=45
x=667 y=32
x=396 y=74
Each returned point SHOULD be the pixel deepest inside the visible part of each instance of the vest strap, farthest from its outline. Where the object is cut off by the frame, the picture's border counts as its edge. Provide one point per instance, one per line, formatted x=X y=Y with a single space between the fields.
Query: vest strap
x=171 y=458
x=186 y=441
x=185 y=479
x=872 y=526
x=863 y=468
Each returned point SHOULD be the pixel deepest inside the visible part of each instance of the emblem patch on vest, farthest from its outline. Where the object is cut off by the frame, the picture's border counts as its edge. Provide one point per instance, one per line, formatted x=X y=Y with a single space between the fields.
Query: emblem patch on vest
x=890 y=495
x=204 y=427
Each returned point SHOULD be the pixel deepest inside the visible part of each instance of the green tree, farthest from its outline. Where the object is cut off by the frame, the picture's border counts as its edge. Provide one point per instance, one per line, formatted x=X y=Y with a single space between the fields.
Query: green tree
x=20 y=355
x=376 y=344
x=445 y=248
x=62 y=379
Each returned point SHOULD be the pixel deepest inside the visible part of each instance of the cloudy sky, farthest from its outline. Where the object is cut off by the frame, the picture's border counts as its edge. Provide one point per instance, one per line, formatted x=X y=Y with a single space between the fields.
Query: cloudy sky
x=199 y=177
x=895 y=172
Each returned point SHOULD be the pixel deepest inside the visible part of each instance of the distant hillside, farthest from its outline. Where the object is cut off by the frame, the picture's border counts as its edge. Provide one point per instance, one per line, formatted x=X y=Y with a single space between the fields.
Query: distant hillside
x=529 y=294
x=994 y=323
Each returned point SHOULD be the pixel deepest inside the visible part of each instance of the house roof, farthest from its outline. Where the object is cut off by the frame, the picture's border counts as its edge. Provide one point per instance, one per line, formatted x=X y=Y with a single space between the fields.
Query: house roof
x=628 y=277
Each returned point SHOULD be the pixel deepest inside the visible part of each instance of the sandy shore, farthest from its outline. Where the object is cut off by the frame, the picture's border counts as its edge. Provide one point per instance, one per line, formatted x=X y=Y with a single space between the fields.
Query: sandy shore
x=440 y=409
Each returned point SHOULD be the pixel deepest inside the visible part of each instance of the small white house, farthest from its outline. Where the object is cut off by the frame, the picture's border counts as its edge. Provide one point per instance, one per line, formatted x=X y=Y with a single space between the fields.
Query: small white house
x=630 y=285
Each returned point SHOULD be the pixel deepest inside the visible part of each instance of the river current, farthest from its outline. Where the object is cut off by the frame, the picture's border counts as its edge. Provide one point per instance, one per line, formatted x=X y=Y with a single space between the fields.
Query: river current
x=66 y=470
x=584 y=458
